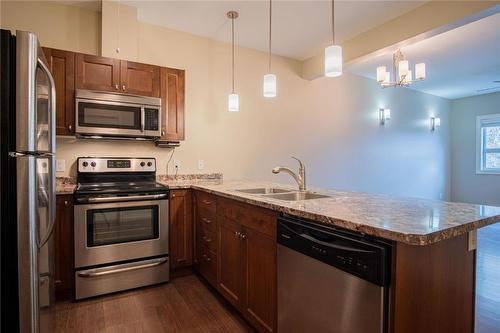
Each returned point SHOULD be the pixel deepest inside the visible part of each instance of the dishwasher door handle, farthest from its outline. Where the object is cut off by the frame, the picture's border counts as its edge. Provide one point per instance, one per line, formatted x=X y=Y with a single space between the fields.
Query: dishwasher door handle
x=318 y=241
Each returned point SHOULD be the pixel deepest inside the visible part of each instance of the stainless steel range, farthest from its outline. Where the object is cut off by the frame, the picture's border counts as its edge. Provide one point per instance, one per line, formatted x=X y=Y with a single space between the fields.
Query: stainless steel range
x=121 y=226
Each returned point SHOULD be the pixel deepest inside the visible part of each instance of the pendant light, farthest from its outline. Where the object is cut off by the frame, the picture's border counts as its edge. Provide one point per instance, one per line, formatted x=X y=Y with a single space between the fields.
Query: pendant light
x=333 y=53
x=270 y=79
x=233 y=101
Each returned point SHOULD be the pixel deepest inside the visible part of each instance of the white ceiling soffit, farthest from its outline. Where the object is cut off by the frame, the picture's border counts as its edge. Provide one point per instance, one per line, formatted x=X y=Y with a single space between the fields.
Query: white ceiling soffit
x=461 y=62
x=93 y=5
x=301 y=29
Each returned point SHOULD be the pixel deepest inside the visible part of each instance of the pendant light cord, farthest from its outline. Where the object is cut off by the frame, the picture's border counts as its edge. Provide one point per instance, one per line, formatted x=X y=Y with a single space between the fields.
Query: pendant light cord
x=333 y=22
x=232 y=51
x=270 y=30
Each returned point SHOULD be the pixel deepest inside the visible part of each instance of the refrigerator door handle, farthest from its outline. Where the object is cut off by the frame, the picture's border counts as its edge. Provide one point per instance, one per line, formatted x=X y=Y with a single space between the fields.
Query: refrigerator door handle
x=52 y=105
x=52 y=204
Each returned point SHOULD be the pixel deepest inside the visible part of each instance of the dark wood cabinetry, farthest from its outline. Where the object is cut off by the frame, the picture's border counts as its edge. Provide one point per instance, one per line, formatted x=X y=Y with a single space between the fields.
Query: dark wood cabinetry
x=62 y=67
x=64 y=247
x=241 y=264
x=140 y=79
x=205 y=229
x=180 y=229
x=97 y=73
x=107 y=74
x=172 y=101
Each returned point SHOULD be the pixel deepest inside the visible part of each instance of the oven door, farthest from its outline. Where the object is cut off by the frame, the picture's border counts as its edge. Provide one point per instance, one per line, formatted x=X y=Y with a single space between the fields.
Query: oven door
x=119 y=231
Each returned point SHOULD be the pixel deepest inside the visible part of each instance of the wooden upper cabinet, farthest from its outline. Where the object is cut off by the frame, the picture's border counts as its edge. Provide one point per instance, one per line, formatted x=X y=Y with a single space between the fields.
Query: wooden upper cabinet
x=140 y=79
x=180 y=229
x=62 y=67
x=97 y=73
x=172 y=104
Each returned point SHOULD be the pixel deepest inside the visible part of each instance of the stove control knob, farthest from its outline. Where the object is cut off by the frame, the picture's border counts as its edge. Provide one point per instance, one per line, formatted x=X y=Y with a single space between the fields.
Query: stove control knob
x=92 y=164
x=150 y=164
x=143 y=164
x=85 y=164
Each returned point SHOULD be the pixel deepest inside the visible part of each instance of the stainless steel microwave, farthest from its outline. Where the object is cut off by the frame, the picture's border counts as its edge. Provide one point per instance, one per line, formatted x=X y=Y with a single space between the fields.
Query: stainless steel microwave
x=103 y=114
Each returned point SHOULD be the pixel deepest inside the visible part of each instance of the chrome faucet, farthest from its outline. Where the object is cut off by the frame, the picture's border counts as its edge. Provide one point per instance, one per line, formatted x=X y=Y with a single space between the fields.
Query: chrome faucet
x=300 y=178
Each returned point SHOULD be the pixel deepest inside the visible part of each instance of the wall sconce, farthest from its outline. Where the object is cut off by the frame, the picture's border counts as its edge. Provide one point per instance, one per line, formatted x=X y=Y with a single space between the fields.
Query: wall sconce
x=384 y=115
x=435 y=123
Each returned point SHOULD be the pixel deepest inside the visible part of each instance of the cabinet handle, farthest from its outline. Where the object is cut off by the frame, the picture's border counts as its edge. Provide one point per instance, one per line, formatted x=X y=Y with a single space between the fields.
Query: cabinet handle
x=206 y=239
x=207 y=221
x=66 y=203
x=243 y=236
x=207 y=202
x=173 y=195
x=162 y=132
x=237 y=234
x=123 y=87
x=70 y=128
x=117 y=87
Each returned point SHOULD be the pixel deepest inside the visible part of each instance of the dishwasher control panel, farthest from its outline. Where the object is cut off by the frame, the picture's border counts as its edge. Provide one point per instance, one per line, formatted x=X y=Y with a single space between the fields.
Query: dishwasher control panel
x=368 y=259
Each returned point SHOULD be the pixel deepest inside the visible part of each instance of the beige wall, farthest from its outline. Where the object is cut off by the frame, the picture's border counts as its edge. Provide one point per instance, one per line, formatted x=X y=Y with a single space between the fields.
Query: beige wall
x=57 y=25
x=332 y=124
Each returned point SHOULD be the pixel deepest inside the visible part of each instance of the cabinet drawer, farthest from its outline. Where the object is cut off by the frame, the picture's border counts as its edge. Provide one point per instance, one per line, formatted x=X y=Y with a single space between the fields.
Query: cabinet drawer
x=207 y=264
x=206 y=238
x=207 y=223
x=256 y=218
x=207 y=203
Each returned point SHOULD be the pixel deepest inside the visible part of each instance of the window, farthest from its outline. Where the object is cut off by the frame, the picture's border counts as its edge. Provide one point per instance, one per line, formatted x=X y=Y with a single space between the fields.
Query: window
x=488 y=144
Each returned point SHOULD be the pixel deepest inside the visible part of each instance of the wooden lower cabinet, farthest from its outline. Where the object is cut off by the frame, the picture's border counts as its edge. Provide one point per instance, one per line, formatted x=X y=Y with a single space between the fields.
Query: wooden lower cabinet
x=245 y=256
x=230 y=263
x=64 y=247
x=180 y=229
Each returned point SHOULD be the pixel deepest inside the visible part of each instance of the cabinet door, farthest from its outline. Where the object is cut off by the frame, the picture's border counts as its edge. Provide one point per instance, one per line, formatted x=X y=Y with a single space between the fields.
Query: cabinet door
x=172 y=104
x=260 y=277
x=97 y=73
x=62 y=67
x=64 y=247
x=180 y=229
x=230 y=261
x=140 y=79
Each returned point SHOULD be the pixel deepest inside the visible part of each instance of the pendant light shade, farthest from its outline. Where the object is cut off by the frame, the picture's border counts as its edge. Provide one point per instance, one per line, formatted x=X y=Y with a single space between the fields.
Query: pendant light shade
x=233 y=100
x=269 y=85
x=333 y=53
x=333 y=61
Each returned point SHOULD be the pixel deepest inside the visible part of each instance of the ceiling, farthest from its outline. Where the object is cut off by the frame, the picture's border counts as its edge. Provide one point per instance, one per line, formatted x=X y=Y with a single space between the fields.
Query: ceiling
x=301 y=29
x=461 y=62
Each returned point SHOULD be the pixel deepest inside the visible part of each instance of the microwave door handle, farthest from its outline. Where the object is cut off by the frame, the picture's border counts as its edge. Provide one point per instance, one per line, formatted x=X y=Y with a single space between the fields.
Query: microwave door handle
x=142 y=119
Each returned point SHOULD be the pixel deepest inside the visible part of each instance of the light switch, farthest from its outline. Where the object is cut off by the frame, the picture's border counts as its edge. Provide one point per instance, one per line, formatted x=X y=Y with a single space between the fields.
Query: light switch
x=60 y=165
x=201 y=164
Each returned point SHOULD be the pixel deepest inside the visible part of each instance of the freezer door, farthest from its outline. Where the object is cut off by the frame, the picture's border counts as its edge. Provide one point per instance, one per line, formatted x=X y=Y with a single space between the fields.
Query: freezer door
x=35 y=97
x=35 y=225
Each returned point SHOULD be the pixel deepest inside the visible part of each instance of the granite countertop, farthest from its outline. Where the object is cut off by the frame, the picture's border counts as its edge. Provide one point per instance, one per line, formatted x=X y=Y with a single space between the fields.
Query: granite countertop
x=410 y=220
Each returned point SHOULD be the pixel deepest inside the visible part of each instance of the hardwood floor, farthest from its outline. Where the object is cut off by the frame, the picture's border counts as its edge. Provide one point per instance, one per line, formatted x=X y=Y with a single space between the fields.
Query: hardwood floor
x=488 y=280
x=183 y=305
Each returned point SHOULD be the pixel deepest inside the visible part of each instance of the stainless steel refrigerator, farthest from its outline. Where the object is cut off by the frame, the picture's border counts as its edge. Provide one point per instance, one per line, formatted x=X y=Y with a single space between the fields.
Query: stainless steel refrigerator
x=27 y=170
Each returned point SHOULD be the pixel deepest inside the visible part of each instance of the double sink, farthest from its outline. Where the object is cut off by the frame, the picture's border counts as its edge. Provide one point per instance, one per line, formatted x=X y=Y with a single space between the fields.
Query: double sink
x=283 y=194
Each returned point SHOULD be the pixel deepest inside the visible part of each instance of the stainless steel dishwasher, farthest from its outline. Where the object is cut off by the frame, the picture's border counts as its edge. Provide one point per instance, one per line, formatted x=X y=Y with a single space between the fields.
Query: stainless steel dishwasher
x=331 y=280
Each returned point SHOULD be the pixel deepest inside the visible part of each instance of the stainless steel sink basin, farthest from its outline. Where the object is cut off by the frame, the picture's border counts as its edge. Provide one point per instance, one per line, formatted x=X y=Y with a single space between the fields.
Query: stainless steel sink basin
x=262 y=190
x=296 y=196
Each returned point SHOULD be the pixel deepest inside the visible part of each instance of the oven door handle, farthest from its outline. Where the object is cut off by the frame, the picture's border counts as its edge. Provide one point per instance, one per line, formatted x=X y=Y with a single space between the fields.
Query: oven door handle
x=101 y=272
x=125 y=198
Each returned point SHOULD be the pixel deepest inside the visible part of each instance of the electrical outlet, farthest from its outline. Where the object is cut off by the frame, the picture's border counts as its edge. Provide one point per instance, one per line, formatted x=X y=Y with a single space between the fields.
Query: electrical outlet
x=60 y=165
x=201 y=164
x=177 y=164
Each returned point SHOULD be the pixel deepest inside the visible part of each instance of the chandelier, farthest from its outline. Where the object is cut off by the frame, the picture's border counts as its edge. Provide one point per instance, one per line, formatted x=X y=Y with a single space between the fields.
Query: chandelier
x=403 y=76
